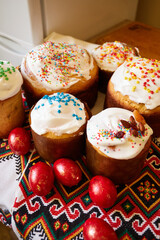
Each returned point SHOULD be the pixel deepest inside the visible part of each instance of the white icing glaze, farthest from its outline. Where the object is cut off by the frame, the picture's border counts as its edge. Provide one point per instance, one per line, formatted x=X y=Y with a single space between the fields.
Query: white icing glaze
x=101 y=130
x=111 y=55
x=59 y=113
x=10 y=80
x=140 y=80
x=58 y=65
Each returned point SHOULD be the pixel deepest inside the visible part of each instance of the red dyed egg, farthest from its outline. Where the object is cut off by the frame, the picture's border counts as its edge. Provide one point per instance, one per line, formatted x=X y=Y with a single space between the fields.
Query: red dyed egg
x=98 y=229
x=67 y=172
x=41 y=178
x=19 y=141
x=102 y=191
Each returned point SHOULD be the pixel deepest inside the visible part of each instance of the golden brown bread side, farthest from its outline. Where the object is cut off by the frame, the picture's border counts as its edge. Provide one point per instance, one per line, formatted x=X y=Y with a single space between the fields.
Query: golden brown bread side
x=116 y=99
x=12 y=114
x=120 y=171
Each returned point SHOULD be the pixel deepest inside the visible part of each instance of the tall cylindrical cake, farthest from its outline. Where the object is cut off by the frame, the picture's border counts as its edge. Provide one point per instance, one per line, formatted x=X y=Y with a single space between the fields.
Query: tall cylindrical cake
x=117 y=144
x=58 y=124
x=11 y=105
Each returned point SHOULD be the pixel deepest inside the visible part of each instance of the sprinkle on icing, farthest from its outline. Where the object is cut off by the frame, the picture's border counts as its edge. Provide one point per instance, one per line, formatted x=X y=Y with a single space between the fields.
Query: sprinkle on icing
x=10 y=80
x=4 y=71
x=107 y=132
x=59 y=65
x=111 y=55
x=139 y=78
x=59 y=113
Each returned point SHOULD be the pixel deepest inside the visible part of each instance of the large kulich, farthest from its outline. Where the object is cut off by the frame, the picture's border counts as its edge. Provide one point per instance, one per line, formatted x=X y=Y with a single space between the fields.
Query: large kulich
x=60 y=67
x=117 y=144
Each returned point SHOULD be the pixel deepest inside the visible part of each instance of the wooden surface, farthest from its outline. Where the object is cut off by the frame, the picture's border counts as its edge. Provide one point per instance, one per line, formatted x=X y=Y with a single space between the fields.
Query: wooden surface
x=140 y=35
x=6 y=233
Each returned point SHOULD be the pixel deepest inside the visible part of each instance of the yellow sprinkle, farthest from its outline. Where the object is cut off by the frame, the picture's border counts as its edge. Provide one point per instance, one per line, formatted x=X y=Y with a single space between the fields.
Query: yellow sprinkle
x=157 y=90
x=133 y=88
x=137 y=82
x=148 y=90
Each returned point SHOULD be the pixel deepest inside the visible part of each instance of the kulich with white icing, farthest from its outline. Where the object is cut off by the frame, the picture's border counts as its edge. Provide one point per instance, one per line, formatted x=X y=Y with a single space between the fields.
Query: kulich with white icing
x=58 y=65
x=59 y=113
x=111 y=55
x=139 y=78
x=105 y=128
x=10 y=80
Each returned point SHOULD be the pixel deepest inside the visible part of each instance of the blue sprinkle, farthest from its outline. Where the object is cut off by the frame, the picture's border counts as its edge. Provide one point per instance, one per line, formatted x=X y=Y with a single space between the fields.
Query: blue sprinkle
x=59 y=111
x=45 y=97
x=80 y=109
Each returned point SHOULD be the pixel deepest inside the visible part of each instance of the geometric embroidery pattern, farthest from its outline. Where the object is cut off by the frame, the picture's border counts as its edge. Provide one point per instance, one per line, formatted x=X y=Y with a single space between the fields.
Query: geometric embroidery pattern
x=61 y=214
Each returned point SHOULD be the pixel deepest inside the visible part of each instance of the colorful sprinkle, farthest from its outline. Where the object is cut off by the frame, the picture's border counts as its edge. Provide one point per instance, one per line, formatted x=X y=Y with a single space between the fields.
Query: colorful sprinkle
x=5 y=71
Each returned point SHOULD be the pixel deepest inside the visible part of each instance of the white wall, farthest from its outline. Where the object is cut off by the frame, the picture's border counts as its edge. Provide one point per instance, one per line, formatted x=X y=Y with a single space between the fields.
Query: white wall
x=84 y=19
x=24 y=23
x=21 y=20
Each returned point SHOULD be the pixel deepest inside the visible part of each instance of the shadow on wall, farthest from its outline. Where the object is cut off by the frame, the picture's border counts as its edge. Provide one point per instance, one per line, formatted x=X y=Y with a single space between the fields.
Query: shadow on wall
x=148 y=12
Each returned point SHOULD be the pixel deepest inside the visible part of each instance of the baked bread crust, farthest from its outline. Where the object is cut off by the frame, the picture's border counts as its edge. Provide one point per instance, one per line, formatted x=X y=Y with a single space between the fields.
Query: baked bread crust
x=12 y=114
x=118 y=170
x=116 y=99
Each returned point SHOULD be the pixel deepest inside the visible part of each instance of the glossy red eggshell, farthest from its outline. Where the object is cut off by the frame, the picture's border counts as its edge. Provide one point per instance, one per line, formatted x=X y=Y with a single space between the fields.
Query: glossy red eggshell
x=19 y=141
x=102 y=191
x=67 y=172
x=98 y=229
x=41 y=178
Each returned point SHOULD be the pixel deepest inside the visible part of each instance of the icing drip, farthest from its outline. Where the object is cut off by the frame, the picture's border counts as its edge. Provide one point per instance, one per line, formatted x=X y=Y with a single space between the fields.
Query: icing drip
x=10 y=80
x=58 y=113
x=104 y=131
x=111 y=55
x=139 y=78
x=58 y=65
